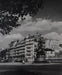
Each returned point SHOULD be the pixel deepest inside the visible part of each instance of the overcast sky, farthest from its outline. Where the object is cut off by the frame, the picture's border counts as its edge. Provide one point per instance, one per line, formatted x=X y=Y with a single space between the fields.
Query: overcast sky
x=48 y=22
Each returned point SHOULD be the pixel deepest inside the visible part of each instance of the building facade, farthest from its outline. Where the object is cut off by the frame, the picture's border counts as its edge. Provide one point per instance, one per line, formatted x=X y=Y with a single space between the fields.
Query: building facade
x=25 y=49
x=30 y=46
x=17 y=52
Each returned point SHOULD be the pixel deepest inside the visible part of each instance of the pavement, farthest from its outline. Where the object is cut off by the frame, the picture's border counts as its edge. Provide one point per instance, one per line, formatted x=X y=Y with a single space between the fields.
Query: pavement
x=23 y=64
x=30 y=69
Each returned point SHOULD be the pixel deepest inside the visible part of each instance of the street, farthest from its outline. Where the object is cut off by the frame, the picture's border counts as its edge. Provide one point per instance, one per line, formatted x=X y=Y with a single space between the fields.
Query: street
x=30 y=69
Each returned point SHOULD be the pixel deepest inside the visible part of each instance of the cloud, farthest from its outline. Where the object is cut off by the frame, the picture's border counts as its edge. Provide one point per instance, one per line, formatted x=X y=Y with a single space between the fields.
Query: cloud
x=29 y=25
x=5 y=40
x=27 y=18
x=54 y=35
x=14 y=36
x=56 y=39
x=40 y=25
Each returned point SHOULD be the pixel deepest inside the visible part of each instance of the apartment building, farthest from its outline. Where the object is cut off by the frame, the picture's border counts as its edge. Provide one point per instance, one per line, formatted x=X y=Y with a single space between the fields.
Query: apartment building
x=49 y=53
x=4 y=53
x=17 y=52
x=23 y=49
x=55 y=45
x=30 y=46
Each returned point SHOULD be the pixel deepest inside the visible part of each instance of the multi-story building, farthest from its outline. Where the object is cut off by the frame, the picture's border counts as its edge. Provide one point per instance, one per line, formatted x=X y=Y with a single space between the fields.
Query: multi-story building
x=17 y=52
x=24 y=49
x=54 y=51
x=4 y=53
x=49 y=53
x=30 y=46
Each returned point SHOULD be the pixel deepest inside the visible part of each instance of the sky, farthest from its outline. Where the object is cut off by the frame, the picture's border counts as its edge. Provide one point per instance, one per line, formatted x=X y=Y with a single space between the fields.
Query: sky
x=48 y=22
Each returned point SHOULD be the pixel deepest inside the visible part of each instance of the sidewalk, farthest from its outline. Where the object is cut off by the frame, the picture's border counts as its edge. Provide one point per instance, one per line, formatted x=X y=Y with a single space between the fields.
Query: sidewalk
x=21 y=64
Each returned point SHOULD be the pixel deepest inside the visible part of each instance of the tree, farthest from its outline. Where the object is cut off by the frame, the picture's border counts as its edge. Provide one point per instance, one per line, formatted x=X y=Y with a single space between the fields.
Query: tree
x=11 y=10
x=13 y=43
x=41 y=48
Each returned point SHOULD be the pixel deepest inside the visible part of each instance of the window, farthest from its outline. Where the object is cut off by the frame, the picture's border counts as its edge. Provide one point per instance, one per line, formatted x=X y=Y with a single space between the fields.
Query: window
x=28 y=54
x=28 y=47
x=28 y=51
